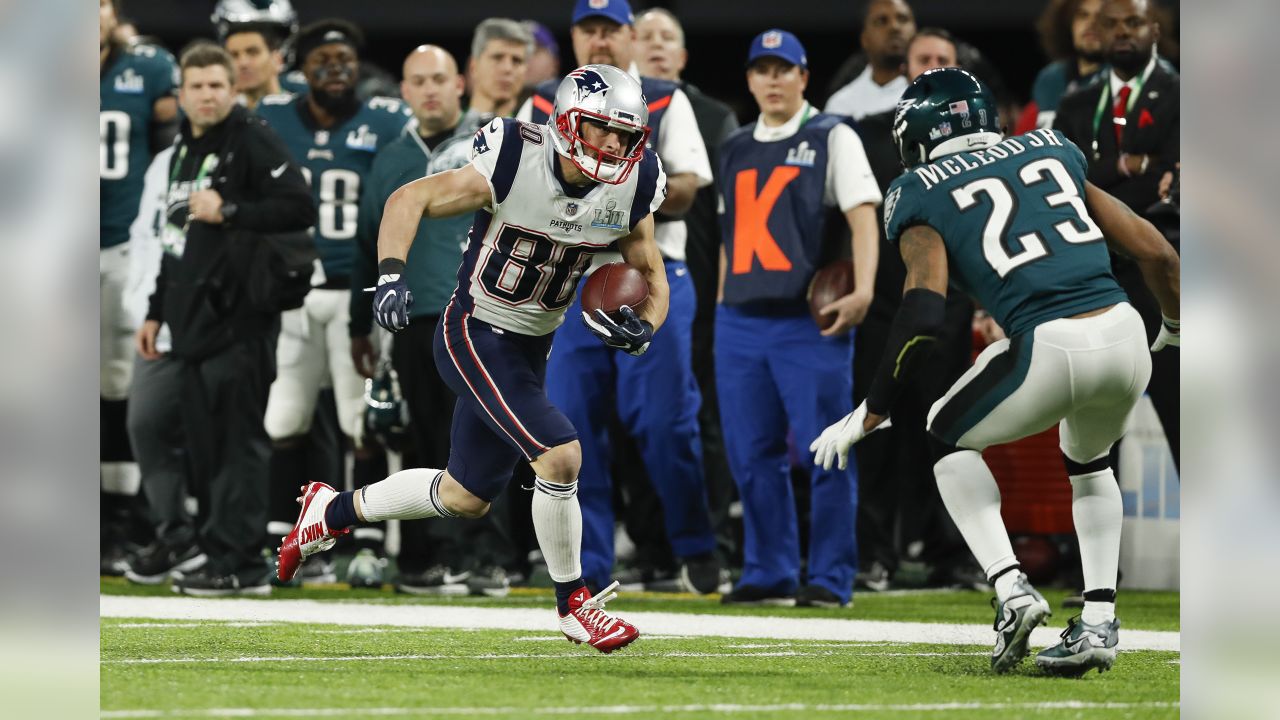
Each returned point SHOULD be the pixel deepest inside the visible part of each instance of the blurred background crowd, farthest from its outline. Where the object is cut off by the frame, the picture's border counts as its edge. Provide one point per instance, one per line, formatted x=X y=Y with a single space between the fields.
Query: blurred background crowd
x=407 y=84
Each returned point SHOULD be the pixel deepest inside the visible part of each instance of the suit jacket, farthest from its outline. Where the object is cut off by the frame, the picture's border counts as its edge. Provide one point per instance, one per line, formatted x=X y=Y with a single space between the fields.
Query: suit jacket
x=1152 y=128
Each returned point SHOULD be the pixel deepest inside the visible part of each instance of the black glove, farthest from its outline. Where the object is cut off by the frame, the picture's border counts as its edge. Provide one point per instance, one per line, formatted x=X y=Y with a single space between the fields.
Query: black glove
x=632 y=335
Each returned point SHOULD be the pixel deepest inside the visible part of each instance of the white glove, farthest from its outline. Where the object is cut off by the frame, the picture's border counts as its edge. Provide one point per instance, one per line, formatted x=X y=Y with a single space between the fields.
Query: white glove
x=835 y=441
x=1170 y=334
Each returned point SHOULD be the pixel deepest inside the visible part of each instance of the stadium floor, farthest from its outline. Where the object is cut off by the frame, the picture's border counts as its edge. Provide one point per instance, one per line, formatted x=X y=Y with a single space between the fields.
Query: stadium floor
x=335 y=652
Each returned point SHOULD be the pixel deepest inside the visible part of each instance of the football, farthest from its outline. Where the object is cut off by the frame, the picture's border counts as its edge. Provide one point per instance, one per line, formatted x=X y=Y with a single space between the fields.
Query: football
x=612 y=286
x=830 y=283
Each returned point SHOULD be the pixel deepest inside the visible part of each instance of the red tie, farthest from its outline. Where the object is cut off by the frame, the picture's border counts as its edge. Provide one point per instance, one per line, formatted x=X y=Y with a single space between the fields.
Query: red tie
x=1118 y=113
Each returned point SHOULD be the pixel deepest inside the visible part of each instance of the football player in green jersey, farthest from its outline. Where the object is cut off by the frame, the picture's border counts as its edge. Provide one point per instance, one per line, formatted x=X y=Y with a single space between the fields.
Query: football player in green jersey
x=334 y=136
x=1014 y=222
x=255 y=32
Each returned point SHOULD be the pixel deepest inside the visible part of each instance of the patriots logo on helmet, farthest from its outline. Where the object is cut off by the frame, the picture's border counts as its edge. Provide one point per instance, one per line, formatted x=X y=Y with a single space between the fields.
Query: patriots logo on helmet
x=772 y=40
x=588 y=83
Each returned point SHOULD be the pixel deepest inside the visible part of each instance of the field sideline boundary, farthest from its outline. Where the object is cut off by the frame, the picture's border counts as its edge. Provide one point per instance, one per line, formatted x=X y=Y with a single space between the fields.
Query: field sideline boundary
x=540 y=619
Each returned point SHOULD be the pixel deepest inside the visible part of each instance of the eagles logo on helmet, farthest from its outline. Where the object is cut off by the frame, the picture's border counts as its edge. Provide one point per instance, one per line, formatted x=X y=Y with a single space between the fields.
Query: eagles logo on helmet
x=923 y=124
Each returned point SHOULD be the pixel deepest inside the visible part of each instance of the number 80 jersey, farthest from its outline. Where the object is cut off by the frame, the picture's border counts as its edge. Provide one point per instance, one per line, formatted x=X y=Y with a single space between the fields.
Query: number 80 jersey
x=530 y=246
x=1019 y=237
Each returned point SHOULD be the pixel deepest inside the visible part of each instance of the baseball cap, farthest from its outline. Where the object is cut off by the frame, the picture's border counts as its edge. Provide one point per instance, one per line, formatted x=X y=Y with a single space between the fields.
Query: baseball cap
x=542 y=36
x=779 y=44
x=618 y=11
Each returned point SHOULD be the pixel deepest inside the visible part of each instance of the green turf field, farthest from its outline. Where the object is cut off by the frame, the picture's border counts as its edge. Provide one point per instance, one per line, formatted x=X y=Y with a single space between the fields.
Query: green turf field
x=272 y=669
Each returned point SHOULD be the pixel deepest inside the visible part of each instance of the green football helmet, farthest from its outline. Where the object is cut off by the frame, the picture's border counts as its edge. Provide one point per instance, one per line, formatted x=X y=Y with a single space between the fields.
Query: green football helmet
x=386 y=414
x=945 y=111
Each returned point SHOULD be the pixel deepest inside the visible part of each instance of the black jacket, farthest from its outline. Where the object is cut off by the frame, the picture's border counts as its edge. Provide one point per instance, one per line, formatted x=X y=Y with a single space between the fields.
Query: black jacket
x=1152 y=127
x=716 y=121
x=200 y=290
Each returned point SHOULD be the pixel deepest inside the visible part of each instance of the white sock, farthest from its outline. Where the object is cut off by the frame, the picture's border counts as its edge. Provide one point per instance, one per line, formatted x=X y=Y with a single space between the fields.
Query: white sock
x=1098 y=512
x=407 y=495
x=972 y=498
x=1098 y=613
x=557 y=521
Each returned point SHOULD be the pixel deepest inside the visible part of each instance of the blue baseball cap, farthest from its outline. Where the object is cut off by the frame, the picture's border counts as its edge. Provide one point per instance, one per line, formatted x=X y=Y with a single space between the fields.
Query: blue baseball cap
x=779 y=44
x=618 y=11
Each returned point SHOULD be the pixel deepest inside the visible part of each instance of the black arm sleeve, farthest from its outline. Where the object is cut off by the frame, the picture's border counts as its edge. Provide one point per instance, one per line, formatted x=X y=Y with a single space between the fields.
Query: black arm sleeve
x=911 y=338
x=155 y=305
x=276 y=197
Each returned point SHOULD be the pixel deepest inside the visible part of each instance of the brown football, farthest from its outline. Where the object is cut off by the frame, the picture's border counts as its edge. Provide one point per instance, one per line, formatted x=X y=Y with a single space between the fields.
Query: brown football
x=612 y=286
x=829 y=284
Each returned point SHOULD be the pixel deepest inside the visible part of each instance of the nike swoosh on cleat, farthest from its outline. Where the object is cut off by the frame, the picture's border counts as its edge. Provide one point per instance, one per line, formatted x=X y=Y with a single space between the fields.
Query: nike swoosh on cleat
x=619 y=631
x=450 y=579
x=279 y=171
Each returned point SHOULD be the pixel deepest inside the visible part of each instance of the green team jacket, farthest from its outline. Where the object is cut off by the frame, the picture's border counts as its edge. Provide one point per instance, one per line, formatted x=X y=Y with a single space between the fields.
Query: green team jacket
x=432 y=266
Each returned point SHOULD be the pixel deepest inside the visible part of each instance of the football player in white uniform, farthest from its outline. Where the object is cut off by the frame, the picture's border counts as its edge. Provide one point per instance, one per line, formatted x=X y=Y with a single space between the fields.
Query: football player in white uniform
x=546 y=198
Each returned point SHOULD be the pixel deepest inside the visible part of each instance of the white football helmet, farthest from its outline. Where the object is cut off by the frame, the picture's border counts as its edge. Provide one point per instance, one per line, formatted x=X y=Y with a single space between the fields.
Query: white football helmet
x=608 y=96
x=277 y=13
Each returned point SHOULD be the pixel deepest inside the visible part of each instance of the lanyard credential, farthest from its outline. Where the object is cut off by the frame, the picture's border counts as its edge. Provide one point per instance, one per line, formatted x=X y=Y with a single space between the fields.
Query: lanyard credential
x=205 y=167
x=1104 y=101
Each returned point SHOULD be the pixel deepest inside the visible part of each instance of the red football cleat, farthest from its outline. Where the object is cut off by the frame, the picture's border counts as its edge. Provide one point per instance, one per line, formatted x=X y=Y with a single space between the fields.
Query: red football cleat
x=310 y=534
x=587 y=622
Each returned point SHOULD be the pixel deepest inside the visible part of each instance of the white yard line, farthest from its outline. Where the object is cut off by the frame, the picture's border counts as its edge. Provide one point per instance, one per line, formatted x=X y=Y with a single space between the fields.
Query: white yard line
x=151 y=625
x=543 y=620
x=724 y=709
x=514 y=656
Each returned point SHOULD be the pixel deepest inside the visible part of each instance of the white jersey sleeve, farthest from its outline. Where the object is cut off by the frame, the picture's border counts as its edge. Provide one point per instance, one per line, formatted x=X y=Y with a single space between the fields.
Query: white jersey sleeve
x=680 y=143
x=525 y=113
x=487 y=156
x=660 y=190
x=850 y=182
x=145 y=250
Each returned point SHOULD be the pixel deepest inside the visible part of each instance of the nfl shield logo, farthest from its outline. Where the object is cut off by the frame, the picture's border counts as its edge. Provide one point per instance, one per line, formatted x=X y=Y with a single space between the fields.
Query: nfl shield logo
x=772 y=40
x=571 y=208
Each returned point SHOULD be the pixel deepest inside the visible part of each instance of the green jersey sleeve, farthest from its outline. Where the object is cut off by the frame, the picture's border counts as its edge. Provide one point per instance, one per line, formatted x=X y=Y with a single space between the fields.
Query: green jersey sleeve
x=903 y=207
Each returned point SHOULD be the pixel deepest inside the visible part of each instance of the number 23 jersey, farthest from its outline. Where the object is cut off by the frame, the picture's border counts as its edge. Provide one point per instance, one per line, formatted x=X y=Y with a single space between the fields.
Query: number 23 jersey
x=530 y=246
x=1018 y=235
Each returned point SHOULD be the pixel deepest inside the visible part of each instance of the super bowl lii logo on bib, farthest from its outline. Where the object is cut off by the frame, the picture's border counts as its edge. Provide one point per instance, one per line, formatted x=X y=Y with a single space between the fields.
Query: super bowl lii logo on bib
x=608 y=217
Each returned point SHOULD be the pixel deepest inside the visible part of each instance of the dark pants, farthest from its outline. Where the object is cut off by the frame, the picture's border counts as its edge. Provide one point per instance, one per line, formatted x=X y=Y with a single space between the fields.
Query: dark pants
x=156 y=434
x=457 y=542
x=224 y=400
x=895 y=469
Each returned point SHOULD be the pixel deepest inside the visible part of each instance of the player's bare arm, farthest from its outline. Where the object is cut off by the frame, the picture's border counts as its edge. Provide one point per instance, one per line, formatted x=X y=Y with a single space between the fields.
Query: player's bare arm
x=925 y=257
x=1134 y=237
x=724 y=263
x=641 y=252
x=852 y=308
x=448 y=193
x=681 y=189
